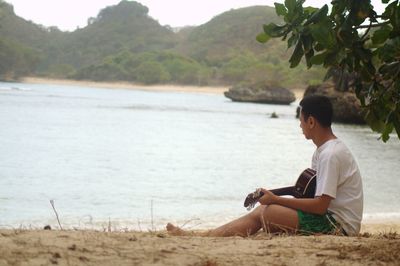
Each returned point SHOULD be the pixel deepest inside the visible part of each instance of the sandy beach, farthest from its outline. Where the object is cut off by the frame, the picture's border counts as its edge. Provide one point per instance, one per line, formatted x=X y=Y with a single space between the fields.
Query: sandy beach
x=126 y=85
x=131 y=86
x=378 y=244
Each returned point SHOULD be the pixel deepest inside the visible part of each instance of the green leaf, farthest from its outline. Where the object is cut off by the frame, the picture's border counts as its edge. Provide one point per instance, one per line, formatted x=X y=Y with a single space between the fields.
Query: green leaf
x=363 y=54
x=280 y=9
x=389 y=10
x=373 y=121
x=292 y=40
x=310 y=9
x=318 y=59
x=297 y=55
x=386 y=131
x=338 y=6
x=366 y=76
x=381 y=35
x=330 y=59
x=390 y=69
x=323 y=33
x=319 y=47
x=274 y=30
x=395 y=19
x=308 y=56
x=370 y=68
x=346 y=36
x=307 y=42
x=263 y=37
x=318 y=15
x=290 y=5
x=389 y=50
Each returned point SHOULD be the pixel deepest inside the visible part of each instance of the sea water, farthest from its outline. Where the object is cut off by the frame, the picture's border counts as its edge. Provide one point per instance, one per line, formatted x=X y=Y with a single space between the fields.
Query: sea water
x=137 y=159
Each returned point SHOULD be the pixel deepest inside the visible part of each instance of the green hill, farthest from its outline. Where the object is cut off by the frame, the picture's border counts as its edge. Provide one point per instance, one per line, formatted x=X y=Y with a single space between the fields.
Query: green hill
x=227 y=44
x=125 y=26
x=228 y=34
x=124 y=43
x=19 y=42
x=19 y=30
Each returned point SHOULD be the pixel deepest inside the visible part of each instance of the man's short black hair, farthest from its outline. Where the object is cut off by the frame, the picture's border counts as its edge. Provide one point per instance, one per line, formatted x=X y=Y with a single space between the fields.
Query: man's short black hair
x=318 y=106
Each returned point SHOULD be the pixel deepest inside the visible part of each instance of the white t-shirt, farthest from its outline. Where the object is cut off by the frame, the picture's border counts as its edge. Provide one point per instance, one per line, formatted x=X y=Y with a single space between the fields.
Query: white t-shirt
x=338 y=176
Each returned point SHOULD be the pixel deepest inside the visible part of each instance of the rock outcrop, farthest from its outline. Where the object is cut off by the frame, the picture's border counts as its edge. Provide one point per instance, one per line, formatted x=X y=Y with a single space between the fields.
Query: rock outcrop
x=260 y=94
x=346 y=106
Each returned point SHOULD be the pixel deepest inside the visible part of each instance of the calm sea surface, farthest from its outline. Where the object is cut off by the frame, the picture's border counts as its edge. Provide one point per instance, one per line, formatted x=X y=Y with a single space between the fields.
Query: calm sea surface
x=137 y=159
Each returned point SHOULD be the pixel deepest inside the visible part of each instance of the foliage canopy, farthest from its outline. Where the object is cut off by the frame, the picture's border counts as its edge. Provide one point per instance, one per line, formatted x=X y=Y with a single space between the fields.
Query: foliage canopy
x=352 y=38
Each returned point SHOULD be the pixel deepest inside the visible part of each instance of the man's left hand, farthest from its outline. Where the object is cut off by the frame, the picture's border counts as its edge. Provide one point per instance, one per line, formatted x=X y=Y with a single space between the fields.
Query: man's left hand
x=268 y=197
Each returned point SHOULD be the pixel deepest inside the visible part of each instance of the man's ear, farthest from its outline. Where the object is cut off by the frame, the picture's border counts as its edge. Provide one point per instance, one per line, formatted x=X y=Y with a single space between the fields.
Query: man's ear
x=311 y=121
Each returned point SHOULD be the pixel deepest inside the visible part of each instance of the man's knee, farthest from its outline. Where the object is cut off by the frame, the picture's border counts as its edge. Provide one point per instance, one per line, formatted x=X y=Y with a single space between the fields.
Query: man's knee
x=278 y=217
x=267 y=213
x=258 y=211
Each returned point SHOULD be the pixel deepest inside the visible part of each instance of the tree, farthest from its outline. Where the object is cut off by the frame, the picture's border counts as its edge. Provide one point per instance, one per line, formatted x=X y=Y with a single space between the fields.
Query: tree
x=151 y=72
x=16 y=60
x=353 y=39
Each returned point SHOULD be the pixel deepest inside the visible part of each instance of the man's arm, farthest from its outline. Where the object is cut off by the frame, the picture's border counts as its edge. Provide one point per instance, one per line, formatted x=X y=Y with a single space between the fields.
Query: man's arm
x=318 y=205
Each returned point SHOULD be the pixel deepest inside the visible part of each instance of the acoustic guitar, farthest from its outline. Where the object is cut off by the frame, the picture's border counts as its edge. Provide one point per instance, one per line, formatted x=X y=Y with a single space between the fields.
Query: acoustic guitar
x=304 y=188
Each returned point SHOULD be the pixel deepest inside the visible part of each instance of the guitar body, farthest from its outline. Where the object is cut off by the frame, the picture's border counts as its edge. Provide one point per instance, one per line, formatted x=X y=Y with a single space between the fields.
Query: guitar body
x=305 y=185
x=304 y=188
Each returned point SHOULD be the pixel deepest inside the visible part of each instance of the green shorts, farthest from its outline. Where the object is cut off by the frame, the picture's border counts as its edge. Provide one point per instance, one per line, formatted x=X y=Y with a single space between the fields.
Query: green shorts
x=310 y=224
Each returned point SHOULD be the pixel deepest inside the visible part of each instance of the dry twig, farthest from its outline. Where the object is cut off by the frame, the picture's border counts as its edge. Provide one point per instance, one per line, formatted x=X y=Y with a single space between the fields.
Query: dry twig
x=54 y=208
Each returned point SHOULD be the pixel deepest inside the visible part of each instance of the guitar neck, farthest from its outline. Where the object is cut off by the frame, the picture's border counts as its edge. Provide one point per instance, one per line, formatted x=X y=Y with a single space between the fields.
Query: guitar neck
x=283 y=191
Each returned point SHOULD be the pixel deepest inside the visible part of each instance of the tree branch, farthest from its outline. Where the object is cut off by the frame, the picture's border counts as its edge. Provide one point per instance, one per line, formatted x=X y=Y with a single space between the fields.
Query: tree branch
x=372 y=25
x=366 y=32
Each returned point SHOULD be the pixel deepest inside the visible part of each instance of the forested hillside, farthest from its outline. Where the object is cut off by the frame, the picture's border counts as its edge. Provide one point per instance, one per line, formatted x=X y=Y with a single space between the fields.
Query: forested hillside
x=227 y=44
x=125 y=27
x=124 y=43
x=18 y=42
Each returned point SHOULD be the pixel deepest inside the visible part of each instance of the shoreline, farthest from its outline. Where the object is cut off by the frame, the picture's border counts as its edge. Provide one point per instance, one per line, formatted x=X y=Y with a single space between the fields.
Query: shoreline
x=127 y=85
x=380 y=226
x=373 y=226
x=219 y=90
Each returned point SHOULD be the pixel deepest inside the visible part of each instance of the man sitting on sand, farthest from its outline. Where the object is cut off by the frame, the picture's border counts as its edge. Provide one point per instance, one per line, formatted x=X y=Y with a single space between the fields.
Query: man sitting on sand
x=338 y=203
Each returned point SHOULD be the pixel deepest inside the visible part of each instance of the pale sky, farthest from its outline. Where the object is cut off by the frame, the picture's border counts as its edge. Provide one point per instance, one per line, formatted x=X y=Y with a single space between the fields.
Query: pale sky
x=70 y=14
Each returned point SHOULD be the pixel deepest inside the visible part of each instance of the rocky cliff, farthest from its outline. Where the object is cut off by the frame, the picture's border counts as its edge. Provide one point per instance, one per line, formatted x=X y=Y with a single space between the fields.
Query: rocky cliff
x=346 y=106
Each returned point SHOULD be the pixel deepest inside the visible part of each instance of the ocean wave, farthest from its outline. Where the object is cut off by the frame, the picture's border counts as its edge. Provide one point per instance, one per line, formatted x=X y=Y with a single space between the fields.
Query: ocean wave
x=14 y=89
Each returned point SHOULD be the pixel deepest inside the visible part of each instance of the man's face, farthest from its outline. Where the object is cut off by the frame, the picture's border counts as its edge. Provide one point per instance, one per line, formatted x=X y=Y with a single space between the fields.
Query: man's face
x=305 y=126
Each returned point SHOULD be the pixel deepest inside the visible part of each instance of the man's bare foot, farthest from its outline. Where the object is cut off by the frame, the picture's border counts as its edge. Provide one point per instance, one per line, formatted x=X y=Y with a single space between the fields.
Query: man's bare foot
x=175 y=230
